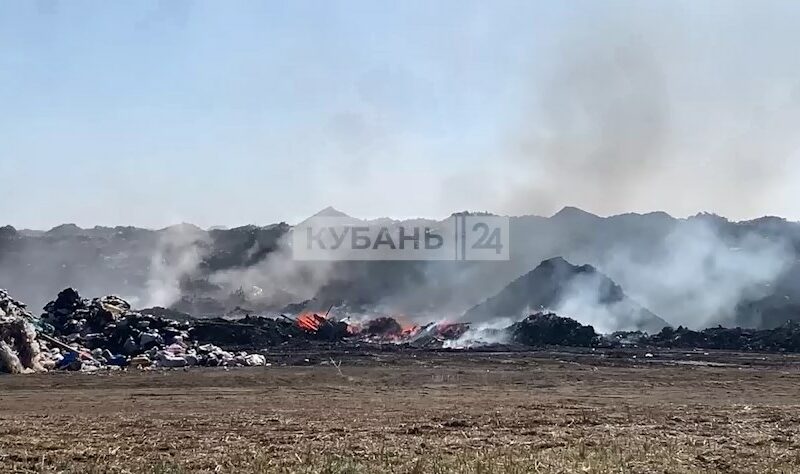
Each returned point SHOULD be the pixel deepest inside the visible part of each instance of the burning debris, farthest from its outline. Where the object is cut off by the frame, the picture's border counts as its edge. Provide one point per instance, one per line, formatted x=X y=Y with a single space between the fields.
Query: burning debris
x=75 y=333
x=322 y=327
x=433 y=335
x=384 y=329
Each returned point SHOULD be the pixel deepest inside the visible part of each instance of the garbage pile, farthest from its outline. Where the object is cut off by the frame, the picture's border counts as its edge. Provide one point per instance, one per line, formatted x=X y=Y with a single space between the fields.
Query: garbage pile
x=321 y=327
x=258 y=332
x=383 y=329
x=785 y=338
x=383 y=326
x=388 y=330
x=109 y=324
x=80 y=334
x=434 y=335
x=20 y=351
x=550 y=329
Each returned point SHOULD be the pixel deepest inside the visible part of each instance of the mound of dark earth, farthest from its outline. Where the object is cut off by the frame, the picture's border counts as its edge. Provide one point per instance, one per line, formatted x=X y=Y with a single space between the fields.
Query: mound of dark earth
x=550 y=329
x=580 y=292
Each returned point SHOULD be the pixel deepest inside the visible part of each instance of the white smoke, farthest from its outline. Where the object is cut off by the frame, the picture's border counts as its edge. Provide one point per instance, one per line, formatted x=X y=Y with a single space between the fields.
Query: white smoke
x=636 y=115
x=281 y=278
x=487 y=333
x=581 y=303
x=698 y=278
x=178 y=252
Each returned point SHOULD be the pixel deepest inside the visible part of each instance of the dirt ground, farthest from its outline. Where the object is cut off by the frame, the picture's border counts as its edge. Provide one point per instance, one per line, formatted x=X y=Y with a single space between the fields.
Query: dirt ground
x=401 y=411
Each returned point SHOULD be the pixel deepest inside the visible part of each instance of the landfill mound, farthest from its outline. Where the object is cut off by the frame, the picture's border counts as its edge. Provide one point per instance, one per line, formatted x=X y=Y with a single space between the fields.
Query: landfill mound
x=557 y=285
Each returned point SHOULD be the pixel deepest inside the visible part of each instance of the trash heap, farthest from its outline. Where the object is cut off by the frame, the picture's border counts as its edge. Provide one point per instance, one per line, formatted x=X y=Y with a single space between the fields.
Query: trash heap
x=20 y=350
x=250 y=332
x=382 y=327
x=550 y=329
x=80 y=334
x=784 y=338
x=434 y=335
x=622 y=339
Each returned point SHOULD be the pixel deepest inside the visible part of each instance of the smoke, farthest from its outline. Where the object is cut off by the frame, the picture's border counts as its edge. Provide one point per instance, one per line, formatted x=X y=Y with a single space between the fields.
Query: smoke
x=634 y=117
x=278 y=278
x=696 y=277
x=588 y=300
x=603 y=125
x=179 y=250
x=487 y=333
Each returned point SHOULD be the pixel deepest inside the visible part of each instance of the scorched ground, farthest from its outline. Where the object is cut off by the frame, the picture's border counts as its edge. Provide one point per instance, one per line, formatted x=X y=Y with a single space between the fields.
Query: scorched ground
x=414 y=411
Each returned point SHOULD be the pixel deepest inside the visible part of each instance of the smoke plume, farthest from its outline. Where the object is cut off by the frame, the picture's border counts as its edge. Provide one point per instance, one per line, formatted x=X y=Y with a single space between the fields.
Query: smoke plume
x=635 y=117
x=278 y=279
x=179 y=250
x=696 y=277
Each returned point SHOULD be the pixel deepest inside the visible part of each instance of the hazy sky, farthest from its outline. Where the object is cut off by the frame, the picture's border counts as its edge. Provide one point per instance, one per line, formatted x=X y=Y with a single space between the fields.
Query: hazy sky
x=155 y=112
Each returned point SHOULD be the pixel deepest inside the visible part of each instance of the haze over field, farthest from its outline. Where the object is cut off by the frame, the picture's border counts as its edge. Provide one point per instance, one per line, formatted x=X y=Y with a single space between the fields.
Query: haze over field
x=697 y=272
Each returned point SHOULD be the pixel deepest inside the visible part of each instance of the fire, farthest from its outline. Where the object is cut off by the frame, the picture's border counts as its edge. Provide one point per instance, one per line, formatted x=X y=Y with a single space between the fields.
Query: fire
x=410 y=330
x=407 y=328
x=396 y=329
x=382 y=328
x=310 y=322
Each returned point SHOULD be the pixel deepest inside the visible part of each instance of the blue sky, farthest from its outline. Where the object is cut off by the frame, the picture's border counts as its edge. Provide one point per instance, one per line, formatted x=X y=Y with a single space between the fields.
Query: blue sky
x=226 y=113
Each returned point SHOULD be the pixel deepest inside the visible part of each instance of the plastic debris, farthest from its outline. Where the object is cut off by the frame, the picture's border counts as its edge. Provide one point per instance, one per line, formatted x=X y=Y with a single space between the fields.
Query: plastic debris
x=77 y=334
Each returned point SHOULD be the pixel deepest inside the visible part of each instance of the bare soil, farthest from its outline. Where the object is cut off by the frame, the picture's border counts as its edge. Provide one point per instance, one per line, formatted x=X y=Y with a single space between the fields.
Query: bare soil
x=415 y=411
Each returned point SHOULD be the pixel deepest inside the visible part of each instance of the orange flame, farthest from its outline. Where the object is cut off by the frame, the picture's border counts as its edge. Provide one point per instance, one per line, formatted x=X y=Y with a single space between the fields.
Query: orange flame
x=310 y=322
x=409 y=330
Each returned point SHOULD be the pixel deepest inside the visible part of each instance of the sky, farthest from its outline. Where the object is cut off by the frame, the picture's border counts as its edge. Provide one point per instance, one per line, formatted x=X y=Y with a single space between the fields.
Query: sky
x=151 y=113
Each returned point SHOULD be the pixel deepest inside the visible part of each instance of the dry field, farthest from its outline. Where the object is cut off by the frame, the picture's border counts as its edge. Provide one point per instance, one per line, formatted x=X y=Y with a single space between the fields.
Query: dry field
x=414 y=412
